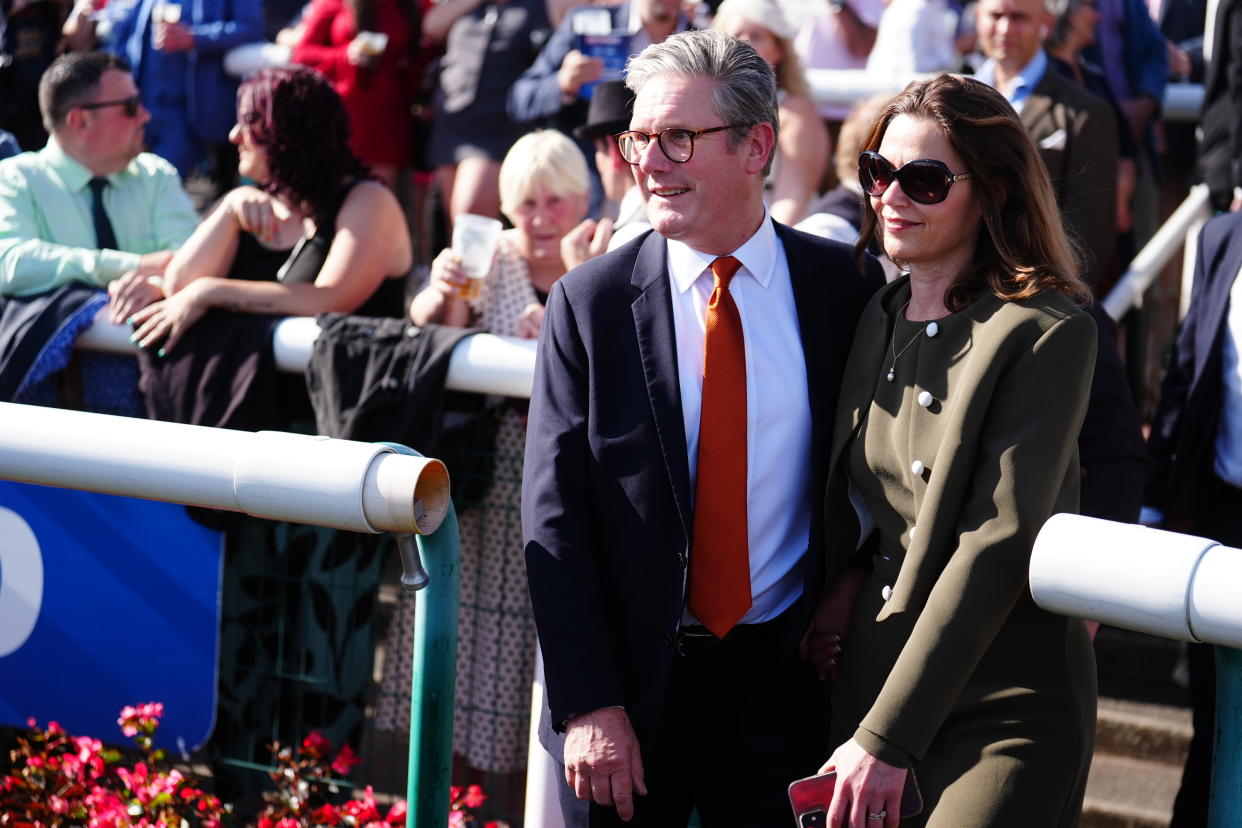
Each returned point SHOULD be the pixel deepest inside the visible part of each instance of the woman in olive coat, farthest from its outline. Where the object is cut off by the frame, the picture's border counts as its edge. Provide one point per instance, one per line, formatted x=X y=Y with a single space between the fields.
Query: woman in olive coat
x=955 y=440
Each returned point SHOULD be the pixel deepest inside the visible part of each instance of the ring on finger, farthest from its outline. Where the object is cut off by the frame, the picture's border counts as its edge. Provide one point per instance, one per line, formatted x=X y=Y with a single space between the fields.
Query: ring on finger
x=877 y=815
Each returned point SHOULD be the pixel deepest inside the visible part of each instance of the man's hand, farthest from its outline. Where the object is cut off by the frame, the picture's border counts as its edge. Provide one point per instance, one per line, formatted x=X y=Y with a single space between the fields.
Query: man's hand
x=131 y=293
x=172 y=37
x=577 y=70
x=824 y=639
x=154 y=264
x=530 y=321
x=586 y=241
x=602 y=760
x=1138 y=111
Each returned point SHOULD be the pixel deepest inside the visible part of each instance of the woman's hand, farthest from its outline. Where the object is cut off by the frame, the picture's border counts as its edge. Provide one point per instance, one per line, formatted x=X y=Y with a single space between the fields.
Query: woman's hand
x=256 y=212
x=530 y=321
x=823 y=642
x=448 y=277
x=167 y=320
x=868 y=791
x=360 y=53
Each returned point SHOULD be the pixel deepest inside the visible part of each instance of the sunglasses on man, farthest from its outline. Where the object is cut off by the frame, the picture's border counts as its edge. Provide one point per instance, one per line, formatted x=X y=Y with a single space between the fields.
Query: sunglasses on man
x=131 y=105
x=926 y=180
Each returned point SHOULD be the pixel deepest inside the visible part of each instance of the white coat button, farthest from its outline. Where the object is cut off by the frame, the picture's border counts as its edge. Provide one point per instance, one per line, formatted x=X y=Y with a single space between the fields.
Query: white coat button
x=917 y=467
x=926 y=399
x=886 y=593
x=932 y=328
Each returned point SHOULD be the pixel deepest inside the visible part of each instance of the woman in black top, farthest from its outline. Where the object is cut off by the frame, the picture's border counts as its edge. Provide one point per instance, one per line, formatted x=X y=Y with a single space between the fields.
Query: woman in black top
x=315 y=234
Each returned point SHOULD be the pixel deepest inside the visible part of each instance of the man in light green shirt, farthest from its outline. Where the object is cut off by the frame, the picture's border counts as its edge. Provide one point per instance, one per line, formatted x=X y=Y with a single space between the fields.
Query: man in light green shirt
x=49 y=221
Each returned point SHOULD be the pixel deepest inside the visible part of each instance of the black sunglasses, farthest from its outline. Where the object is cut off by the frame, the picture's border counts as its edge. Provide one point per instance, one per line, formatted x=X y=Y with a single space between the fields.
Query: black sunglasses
x=131 y=105
x=926 y=180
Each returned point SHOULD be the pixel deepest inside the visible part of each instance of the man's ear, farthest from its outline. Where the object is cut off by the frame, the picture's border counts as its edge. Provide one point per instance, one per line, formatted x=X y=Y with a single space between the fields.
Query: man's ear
x=760 y=144
x=75 y=119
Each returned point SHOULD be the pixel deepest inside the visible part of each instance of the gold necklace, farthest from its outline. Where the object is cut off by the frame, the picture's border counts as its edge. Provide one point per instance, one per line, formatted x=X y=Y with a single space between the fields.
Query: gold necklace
x=892 y=344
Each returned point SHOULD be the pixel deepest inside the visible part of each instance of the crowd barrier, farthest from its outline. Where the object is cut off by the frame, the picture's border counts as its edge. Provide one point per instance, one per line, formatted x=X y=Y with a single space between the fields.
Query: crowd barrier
x=1159 y=583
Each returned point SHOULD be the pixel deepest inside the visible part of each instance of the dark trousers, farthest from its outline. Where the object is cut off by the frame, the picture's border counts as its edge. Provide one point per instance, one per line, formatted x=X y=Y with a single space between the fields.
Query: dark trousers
x=1219 y=510
x=742 y=719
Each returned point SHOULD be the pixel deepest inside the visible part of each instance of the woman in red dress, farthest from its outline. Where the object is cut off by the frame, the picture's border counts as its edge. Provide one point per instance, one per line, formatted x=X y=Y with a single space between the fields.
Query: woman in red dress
x=339 y=38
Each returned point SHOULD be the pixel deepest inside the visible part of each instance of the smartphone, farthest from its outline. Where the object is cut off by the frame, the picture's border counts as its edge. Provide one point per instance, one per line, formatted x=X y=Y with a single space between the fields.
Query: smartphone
x=811 y=797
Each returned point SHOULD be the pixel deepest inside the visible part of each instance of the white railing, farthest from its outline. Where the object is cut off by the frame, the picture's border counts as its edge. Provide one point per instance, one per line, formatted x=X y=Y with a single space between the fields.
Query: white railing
x=1181 y=228
x=343 y=484
x=482 y=363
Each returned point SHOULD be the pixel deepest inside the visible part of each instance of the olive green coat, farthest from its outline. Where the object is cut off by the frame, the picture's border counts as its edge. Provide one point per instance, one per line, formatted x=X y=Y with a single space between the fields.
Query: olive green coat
x=949 y=665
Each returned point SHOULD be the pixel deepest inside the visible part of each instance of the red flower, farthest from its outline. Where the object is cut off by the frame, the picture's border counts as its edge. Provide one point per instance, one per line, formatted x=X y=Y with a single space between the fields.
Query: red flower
x=345 y=760
x=475 y=797
x=326 y=814
x=317 y=744
x=455 y=792
x=396 y=814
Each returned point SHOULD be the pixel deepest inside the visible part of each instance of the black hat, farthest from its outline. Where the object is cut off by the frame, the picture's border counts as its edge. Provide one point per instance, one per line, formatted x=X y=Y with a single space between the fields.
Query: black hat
x=611 y=106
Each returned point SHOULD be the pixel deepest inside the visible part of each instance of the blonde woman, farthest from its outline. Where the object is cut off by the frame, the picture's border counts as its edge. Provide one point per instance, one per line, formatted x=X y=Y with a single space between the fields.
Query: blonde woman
x=802 y=150
x=544 y=186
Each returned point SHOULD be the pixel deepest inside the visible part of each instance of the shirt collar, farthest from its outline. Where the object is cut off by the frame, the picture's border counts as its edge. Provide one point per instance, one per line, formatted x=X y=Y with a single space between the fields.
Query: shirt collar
x=70 y=171
x=1026 y=81
x=757 y=255
x=634 y=21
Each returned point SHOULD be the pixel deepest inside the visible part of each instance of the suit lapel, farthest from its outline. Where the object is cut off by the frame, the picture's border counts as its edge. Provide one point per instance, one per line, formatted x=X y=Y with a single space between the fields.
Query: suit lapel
x=657 y=347
x=813 y=309
x=1038 y=106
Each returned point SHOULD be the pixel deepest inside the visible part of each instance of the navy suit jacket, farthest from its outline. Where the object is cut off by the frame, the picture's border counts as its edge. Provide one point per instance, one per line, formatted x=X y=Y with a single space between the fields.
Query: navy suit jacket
x=217 y=26
x=606 y=496
x=1183 y=434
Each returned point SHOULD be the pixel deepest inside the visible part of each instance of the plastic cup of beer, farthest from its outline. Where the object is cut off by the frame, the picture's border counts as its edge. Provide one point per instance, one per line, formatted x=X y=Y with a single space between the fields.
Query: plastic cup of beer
x=474 y=241
x=373 y=43
x=166 y=12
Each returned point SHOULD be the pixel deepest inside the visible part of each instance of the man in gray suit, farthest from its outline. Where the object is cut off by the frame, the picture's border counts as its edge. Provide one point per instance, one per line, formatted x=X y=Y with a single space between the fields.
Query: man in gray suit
x=1074 y=130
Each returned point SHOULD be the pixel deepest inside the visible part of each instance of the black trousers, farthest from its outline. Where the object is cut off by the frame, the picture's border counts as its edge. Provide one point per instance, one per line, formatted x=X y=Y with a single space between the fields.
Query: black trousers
x=743 y=718
x=1219 y=518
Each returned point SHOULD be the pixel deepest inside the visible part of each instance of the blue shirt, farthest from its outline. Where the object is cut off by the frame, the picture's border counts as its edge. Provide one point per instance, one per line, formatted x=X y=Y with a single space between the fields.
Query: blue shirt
x=1023 y=85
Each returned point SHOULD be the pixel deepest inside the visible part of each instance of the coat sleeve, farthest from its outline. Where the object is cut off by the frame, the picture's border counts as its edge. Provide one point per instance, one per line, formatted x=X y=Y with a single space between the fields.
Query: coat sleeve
x=244 y=25
x=316 y=48
x=1024 y=458
x=558 y=522
x=535 y=95
x=1166 y=424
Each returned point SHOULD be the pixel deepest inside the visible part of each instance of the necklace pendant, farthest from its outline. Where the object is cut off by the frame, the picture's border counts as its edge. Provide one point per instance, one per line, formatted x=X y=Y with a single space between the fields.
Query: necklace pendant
x=890 y=376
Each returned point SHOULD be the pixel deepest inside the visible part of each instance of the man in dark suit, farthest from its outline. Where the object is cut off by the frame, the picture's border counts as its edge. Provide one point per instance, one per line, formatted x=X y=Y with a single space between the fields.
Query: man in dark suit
x=1196 y=446
x=678 y=435
x=1220 y=150
x=1074 y=130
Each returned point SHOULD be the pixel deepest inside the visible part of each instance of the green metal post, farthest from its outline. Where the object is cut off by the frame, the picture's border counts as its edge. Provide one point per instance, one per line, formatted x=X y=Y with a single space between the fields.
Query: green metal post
x=1226 y=807
x=434 y=680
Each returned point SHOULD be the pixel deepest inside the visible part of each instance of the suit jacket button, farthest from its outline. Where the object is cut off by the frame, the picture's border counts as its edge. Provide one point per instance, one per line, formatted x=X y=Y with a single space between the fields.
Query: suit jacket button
x=926 y=399
x=933 y=328
x=887 y=592
x=917 y=468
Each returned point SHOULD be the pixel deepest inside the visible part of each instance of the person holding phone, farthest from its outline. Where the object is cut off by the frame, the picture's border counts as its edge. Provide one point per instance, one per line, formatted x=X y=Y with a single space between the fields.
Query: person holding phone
x=956 y=436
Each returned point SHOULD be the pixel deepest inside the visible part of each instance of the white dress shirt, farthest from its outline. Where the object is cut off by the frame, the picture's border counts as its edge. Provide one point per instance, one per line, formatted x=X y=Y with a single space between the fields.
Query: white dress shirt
x=778 y=408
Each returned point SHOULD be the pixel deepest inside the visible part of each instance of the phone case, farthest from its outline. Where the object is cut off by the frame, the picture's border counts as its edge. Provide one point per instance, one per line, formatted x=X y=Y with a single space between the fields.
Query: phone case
x=811 y=796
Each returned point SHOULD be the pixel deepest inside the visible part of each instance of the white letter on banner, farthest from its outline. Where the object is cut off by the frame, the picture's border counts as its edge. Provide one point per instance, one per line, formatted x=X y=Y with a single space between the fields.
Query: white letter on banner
x=21 y=581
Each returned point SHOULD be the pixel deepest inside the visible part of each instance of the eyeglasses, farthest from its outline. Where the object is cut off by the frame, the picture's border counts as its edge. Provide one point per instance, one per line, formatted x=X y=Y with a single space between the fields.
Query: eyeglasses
x=676 y=143
x=131 y=104
x=926 y=180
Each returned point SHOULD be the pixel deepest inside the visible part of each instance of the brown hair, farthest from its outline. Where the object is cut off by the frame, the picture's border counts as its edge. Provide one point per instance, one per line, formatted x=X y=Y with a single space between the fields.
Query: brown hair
x=1022 y=249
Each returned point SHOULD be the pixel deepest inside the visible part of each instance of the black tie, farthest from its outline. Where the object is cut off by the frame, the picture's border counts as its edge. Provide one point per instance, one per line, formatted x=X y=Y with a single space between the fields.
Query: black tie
x=105 y=237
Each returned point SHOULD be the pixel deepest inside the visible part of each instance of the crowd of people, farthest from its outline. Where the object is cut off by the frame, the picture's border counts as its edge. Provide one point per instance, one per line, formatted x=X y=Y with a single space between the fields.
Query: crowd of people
x=766 y=473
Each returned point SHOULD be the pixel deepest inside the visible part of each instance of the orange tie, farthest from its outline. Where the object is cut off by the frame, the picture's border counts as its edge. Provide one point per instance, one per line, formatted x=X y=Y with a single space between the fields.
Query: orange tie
x=719 y=560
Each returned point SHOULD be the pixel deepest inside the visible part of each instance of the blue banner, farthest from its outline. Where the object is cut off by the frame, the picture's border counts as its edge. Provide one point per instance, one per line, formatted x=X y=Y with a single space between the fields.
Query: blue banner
x=106 y=601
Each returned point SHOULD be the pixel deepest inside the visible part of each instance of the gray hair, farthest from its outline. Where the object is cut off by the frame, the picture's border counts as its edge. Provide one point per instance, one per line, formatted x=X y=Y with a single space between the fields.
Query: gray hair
x=745 y=92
